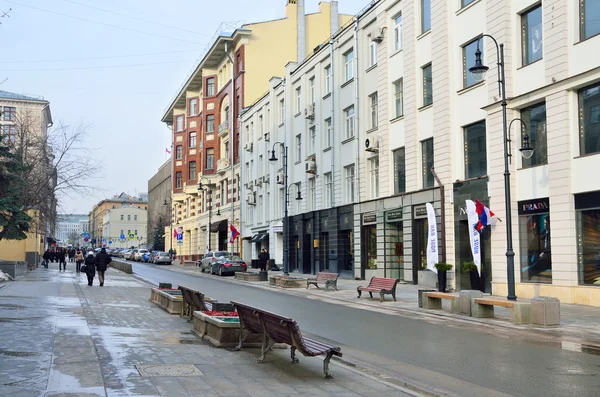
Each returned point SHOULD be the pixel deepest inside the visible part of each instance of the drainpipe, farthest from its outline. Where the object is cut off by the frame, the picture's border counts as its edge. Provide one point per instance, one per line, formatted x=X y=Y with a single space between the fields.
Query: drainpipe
x=442 y=214
x=231 y=142
x=356 y=111
x=332 y=116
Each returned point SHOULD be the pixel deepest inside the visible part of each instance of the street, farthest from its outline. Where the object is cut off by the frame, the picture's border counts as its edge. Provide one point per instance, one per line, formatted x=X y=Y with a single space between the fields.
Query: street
x=513 y=366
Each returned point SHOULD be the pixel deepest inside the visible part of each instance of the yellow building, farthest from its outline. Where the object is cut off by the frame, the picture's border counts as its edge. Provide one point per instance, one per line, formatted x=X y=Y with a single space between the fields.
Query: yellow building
x=205 y=137
x=96 y=215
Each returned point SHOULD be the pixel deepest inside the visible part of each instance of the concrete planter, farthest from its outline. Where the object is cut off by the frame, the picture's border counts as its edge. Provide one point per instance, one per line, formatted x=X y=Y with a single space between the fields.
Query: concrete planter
x=247 y=276
x=122 y=266
x=170 y=300
x=288 y=282
x=13 y=268
x=222 y=331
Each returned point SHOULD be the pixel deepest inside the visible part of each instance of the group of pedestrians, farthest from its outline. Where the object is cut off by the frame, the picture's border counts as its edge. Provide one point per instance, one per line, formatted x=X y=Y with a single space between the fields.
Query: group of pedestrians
x=91 y=263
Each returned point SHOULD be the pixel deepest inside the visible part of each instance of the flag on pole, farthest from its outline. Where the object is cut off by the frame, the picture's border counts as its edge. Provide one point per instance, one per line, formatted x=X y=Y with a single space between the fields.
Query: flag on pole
x=234 y=234
x=484 y=214
x=167 y=150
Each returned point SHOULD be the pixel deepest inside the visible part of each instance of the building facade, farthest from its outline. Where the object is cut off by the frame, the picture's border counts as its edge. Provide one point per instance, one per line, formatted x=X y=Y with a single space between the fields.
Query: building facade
x=386 y=117
x=96 y=216
x=124 y=226
x=206 y=145
x=159 y=199
x=70 y=229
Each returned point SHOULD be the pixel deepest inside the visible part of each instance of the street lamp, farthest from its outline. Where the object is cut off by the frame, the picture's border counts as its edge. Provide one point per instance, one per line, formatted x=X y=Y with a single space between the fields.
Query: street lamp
x=170 y=225
x=478 y=72
x=208 y=189
x=139 y=239
x=286 y=231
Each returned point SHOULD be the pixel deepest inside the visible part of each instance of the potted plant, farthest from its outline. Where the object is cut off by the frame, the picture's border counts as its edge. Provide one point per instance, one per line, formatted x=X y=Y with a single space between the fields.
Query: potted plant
x=442 y=268
x=471 y=269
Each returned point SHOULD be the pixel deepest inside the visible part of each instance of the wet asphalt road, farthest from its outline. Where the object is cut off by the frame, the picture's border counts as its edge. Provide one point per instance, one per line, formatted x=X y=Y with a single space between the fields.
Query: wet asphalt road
x=509 y=365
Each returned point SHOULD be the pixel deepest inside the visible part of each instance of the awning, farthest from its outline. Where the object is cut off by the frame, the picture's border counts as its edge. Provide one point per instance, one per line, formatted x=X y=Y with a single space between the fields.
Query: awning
x=220 y=226
x=257 y=238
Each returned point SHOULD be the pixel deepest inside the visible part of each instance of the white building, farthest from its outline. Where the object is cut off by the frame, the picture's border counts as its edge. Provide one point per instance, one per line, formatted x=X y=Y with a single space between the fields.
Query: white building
x=393 y=98
x=70 y=228
x=127 y=221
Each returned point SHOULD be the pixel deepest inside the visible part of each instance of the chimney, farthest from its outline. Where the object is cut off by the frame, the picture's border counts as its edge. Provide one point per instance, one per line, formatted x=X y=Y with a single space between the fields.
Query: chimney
x=301 y=30
x=334 y=16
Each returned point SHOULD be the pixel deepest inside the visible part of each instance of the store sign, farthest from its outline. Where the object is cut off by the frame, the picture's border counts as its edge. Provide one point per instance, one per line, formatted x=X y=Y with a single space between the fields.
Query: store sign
x=537 y=206
x=277 y=229
x=394 y=214
x=369 y=218
x=420 y=211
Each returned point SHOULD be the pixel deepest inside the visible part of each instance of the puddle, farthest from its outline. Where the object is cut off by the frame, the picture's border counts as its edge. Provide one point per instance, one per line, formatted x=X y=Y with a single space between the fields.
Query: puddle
x=18 y=354
x=10 y=319
x=11 y=306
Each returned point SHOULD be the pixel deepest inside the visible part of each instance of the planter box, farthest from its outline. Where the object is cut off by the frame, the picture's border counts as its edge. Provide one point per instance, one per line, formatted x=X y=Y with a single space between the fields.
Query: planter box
x=170 y=300
x=247 y=276
x=283 y=282
x=222 y=331
x=13 y=268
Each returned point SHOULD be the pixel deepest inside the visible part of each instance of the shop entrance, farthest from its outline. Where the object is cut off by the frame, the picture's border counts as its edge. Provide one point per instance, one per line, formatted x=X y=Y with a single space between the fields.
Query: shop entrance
x=464 y=254
x=369 y=249
x=345 y=254
x=394 y=250
x=419 y=248
x=306 y=254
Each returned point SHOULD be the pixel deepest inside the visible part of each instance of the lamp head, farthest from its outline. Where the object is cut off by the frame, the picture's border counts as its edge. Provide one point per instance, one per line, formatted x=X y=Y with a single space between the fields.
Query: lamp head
x=200 y=185
x=273 y=158
x=165 y=203
x=479 y=70
x=299 y=196
x=526 y=150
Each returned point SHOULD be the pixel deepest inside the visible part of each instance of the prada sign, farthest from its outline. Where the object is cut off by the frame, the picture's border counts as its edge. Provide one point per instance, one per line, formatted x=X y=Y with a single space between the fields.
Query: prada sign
x=536 y=206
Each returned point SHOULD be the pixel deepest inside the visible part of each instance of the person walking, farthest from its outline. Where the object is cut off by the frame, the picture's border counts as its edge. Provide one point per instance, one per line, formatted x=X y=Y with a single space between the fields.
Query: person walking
x=62 y=261
x=46 y=258
x=90 y=268
x=263 y=257
x=102 y=260
x=78 y=260
x=71 y=255
x=52 y=255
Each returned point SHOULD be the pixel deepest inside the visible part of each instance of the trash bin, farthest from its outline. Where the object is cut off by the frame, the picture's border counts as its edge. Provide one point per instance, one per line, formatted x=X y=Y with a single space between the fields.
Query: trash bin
x=255 y=264
x=263 y=276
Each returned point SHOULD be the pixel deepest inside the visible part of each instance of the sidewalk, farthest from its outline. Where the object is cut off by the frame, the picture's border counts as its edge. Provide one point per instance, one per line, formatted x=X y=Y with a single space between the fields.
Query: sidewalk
x=60 y=337
x=579 y=329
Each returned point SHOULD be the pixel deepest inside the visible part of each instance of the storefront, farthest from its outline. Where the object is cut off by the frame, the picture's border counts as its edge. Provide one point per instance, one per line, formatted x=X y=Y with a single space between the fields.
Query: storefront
x=587 y=211
x=534 y=241
x=393 y=237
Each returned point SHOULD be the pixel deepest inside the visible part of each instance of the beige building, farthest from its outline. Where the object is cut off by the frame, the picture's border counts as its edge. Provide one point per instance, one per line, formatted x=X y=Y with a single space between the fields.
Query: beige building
x=96 y=215
x=127 y=221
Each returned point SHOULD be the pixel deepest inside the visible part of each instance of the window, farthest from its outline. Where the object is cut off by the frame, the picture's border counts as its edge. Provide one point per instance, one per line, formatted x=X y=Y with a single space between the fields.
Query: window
x=373 y=105
x=348 y=62
x=427 y=162
x=135 y=232
x=9 y=133
x=468 y=54
x=535 y=119
x=535 y=242
x=179 y=126
x=349 y=117
x=328 y=190
x=10 y=113
x=135 y=217
x=589 y=18
x=475 y=150
x=193 y=107
x=122 y=217
x=299 y=147
x=128 y=217
x=311 y=84
x=589 y=120
x=298 y=100
x=227 y=114
x=192 y=140
x=179 y=153
x=464 y=3
x=313 y=140
x=427 y=88
x=121 y=231
x=226 y=150
x=210 y=86
x=399 y=171
x=312 y=195
x=261 y=127
x=531 y=35
x=328 y=132
x=398 y=33
x=210 y=159
x=327 y=79
x=281 y=111
x=349 y=176
x=210 y=123
x=399 y=98
x=587 y=212
x=222 y=186
x=192 y=170
x=373 y=53
x=374 y=177
x=425 y=15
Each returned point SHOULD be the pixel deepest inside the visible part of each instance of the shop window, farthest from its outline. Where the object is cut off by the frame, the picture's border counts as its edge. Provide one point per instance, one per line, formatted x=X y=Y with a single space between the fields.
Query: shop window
x=589 y=120
x=531 y=35
x=370 y=233
x=587 y=206
x=427 y=162
x=394 y=247
x=475 y=150
x=535 y=120
x=534 y=235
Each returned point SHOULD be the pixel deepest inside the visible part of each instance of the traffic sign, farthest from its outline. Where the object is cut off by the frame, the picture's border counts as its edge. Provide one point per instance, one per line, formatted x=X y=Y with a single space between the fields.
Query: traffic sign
x=86 y=235
x=179 y=242
x=122 y=236
x=109 y=242
x=103 y=239
x=131 y=236
x=179 y=236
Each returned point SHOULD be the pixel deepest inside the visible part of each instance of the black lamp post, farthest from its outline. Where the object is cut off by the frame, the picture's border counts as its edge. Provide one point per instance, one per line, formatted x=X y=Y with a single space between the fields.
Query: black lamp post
x=170 y=225
x=286 y=231
x=478 y=72
x=208 y=189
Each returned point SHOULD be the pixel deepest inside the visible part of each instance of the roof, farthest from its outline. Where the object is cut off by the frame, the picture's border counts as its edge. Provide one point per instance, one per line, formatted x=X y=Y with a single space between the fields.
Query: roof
x=19 y=97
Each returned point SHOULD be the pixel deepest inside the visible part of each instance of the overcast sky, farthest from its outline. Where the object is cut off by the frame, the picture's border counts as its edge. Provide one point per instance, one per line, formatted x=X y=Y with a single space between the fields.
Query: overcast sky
x=115 y=65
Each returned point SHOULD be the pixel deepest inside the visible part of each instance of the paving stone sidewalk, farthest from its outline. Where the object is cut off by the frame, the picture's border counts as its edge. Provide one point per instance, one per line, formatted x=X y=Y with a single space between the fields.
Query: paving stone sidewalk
x=60 y=337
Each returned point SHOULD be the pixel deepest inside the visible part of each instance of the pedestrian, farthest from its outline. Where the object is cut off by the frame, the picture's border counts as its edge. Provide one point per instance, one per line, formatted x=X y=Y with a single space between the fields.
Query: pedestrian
x=90 y=268
x=52 y=255
x=78 y=260
x=262 y=260
x=102 y=260
x=71 y=255
x=46 y=258
x=62 y=261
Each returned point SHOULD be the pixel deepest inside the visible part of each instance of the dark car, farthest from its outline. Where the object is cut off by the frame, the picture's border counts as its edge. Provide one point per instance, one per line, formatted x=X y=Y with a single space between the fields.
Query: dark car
x=228 y=265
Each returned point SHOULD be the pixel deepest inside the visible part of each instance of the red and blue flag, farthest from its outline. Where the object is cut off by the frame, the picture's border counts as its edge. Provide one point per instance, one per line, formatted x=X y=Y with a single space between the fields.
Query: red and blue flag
x=484 y=214
x=234 y=234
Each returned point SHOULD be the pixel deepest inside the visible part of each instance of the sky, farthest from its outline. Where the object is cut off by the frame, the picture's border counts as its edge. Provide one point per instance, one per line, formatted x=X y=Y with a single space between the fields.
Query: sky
x=115 y=66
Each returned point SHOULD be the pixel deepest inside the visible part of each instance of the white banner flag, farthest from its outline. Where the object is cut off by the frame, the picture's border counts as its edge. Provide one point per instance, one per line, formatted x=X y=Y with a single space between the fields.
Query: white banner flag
x=432 y=245
x=474 y=237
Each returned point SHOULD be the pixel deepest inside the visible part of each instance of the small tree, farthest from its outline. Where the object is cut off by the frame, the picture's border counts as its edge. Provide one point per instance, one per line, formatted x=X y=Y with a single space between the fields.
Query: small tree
x=159 y=230
x=14 y=221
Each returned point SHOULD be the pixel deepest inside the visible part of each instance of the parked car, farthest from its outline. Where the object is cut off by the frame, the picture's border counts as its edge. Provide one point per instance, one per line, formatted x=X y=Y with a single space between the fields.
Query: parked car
x=138 y=254
x=146 y=256
x=129 y=255
x=210 y=257
x=161 y=257
x=228 y=265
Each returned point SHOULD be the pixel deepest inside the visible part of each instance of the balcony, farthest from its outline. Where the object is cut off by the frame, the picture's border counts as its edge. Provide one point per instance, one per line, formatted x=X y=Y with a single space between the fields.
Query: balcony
x=224 y=129
x=222 y=165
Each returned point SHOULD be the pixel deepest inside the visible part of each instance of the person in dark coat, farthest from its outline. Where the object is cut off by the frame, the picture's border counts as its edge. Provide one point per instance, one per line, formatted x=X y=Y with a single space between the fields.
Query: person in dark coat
x=90 y=267
x=52 y=256
x=72 y=255
x=62 y=261
x=46 y=258
x=102 y=260
x=263 y=257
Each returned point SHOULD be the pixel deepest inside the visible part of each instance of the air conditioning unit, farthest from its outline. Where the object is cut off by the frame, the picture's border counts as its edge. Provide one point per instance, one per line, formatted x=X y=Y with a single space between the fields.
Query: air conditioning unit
x=377 y=39
x=309 y=112
x=372 y=147
x=250 y=199
x=249 y=146
x=310 y=166
x=280 y=178
x=267 y=136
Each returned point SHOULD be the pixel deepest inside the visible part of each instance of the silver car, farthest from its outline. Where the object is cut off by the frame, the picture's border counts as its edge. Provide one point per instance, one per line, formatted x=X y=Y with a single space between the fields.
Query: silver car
x=161 y=257
x=210 y=257
x=228 y=265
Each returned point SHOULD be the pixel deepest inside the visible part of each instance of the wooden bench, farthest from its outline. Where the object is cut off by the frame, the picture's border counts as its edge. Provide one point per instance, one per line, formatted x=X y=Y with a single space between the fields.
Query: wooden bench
x=520 y=312
x=330 y=280
x=188 y=301
x=279 y=329
x=382 y=286
x=433 y=300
